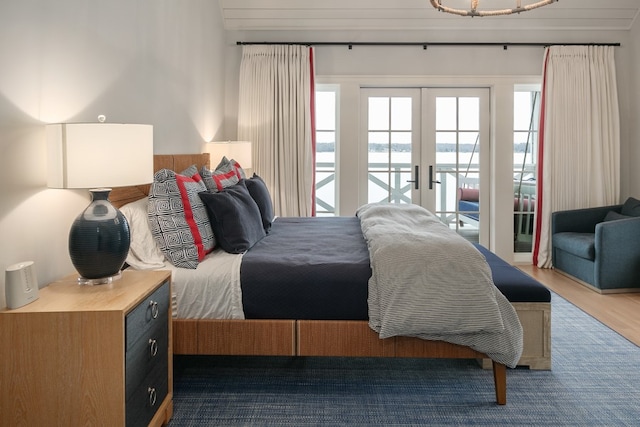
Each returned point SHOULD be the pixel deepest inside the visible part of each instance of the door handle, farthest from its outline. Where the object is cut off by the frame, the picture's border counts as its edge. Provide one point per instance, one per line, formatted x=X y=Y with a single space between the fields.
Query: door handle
x=431 y=181
x=416 y=178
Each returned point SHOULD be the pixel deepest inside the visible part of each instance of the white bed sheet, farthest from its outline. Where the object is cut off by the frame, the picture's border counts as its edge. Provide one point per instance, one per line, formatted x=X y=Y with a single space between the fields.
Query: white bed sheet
x=211 y=291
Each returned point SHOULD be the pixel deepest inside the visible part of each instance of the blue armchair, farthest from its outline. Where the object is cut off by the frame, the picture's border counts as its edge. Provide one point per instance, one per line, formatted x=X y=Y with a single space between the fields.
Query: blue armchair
x=599 y=246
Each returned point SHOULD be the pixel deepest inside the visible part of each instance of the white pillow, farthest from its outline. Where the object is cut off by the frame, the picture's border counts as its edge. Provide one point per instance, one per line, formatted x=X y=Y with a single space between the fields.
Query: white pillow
x=144 y=253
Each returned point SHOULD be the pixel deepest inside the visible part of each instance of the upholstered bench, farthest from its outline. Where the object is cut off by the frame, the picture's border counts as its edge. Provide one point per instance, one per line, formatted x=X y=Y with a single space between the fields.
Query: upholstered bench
x=532 y=302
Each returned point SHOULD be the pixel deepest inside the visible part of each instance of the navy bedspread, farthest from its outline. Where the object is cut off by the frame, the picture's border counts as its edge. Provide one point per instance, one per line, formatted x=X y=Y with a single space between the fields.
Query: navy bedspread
x=323 y=273
x=327 y=266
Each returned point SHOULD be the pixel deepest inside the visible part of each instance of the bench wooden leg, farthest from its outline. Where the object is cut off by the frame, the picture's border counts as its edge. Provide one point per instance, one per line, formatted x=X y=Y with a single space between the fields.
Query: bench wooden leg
x=500 y=381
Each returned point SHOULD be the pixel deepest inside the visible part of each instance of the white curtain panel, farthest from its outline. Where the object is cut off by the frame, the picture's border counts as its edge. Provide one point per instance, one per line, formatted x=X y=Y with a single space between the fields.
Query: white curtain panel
x=274 y=113
x=579 y=138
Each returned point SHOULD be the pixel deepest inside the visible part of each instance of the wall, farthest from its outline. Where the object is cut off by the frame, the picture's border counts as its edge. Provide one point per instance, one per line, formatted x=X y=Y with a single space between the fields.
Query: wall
x=159 y=62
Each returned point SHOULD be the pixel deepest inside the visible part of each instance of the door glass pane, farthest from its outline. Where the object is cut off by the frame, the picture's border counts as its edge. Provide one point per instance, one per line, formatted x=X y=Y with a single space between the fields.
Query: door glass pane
x=468 y=197
x=401 y=114
x=379 y=150
x=446 y=147
x=446 y=114
x=469 y=113
x=401 y=146
x=378 y=182
x=390 y=136
x=403 y=195
x=469 y=151
x=378 y=113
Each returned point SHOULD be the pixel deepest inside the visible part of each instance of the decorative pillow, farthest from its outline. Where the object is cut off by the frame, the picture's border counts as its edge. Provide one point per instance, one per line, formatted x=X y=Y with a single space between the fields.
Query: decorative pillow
x=177 y=218
x=239 y=170
x=613 y=216
x=260 y=194
x=223 y=177
x=631 y=207
x=144 y=253
x=236 y=166
x=235 y=218
x=223 y=162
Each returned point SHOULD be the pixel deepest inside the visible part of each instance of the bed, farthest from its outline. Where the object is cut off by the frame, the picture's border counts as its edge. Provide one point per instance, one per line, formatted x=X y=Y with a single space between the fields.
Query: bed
x=338 y=335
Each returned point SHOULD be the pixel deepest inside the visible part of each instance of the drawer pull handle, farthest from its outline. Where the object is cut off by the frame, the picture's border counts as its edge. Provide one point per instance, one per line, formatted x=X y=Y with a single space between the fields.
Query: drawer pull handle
x=153 y=347
x=152 y=396
x=154 y=309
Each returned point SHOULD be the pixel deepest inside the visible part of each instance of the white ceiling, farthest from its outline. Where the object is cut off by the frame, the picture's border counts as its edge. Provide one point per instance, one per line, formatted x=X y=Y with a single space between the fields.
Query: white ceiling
x=419 y=15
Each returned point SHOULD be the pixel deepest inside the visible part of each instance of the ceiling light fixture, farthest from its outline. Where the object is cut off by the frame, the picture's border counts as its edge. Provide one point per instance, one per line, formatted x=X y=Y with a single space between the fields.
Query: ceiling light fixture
x=474 y=8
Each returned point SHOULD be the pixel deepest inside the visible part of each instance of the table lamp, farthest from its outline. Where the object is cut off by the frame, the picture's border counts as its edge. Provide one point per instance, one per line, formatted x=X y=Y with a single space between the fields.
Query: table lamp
x=97 y=156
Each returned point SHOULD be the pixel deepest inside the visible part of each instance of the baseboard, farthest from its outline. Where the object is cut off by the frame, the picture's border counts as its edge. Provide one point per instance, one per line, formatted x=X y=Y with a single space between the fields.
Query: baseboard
x=596 y=289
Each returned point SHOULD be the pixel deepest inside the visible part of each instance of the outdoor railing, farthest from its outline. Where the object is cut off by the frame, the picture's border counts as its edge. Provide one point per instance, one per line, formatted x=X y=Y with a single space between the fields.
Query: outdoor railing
x=397 y=190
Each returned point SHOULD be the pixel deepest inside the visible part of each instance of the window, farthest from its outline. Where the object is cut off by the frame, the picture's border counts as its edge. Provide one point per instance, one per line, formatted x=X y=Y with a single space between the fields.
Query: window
x=526 y=112
x=326 y=119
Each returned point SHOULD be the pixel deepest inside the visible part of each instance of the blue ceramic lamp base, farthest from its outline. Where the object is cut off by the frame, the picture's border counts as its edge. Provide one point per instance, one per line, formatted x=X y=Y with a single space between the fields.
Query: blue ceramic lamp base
x=99 y=240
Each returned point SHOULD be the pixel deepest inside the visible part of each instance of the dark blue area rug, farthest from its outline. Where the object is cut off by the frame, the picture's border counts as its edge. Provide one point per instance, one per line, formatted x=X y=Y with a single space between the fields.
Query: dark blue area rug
x=595 y=380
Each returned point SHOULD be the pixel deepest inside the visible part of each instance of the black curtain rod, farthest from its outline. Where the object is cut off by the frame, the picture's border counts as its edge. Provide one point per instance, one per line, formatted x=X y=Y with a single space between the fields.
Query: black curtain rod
x=426 y=44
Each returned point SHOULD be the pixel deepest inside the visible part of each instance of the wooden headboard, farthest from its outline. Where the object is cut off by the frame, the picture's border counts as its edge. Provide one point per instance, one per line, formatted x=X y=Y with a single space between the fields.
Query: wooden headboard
x=120 y=196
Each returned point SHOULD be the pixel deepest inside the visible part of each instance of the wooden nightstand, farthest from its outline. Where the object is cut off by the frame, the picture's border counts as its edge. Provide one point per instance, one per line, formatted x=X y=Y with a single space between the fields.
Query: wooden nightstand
x=89 y=355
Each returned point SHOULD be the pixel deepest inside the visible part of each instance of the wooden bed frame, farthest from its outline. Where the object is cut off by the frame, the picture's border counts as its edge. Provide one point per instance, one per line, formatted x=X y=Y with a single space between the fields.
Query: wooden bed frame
x=330 y=338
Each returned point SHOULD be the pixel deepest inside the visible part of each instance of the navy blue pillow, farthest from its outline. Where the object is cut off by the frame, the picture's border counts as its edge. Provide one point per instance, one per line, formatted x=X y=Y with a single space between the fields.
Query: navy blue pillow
x=258 y=190
x=235 y=218
x=614 y=216
x=631 y=207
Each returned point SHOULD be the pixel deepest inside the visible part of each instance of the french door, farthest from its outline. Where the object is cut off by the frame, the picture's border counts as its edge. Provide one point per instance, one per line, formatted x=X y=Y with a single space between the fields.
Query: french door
x=430 y=146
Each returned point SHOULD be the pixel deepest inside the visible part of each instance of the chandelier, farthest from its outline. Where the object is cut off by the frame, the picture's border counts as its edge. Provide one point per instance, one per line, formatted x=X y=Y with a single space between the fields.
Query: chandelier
x=473 y=10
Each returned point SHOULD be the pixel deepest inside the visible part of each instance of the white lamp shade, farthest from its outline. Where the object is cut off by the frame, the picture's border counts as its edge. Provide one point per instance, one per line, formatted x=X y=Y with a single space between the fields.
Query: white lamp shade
x=240 y=151
x=92 y=155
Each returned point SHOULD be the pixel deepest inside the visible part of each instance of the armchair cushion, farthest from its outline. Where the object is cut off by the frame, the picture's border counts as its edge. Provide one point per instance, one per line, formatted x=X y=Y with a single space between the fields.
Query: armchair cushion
x=579 y=244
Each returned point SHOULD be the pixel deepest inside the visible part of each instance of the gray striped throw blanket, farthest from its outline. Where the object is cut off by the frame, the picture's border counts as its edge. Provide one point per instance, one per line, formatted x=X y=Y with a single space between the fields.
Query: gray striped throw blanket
x=429 y=282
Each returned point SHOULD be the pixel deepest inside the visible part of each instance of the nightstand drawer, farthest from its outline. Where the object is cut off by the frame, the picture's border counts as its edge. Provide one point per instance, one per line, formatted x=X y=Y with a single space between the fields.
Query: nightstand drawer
x=152 y=348
x=147 y=397
x=152 y=311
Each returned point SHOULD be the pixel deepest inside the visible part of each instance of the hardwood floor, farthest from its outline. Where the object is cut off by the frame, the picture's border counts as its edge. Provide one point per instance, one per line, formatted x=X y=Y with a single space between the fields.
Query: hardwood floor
x=620 y=312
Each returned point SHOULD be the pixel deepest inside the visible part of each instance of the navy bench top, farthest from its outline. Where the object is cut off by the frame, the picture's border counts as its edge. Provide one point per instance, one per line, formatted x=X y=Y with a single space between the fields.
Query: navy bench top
x=513 y=283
